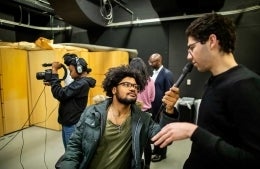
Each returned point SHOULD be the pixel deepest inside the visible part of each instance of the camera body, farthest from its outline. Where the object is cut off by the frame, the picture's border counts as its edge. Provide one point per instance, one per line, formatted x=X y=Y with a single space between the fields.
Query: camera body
x=46 y=76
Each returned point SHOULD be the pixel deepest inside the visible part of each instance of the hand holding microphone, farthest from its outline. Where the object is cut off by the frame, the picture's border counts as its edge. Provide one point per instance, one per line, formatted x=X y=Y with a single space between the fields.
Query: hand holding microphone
x=169 y=95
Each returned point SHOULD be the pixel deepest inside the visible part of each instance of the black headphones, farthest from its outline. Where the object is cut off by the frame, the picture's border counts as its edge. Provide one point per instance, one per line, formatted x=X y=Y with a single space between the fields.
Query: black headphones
x=79 y=63
x=79 y=66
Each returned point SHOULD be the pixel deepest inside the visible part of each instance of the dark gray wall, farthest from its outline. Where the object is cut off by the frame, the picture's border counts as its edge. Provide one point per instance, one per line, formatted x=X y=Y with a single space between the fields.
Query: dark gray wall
x=146 y=39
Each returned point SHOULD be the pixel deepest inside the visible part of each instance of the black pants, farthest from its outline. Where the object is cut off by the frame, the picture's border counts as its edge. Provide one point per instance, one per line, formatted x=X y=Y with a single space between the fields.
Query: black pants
x=160 y=151
x=147 y=154
x=148 y=148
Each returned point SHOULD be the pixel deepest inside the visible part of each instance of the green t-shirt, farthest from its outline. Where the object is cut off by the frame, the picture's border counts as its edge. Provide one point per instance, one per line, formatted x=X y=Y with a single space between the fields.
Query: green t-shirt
x=114 y=149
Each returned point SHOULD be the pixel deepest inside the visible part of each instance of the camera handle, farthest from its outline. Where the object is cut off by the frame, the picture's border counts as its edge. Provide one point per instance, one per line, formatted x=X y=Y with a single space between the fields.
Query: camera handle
x=63 y=67
x=65 y=72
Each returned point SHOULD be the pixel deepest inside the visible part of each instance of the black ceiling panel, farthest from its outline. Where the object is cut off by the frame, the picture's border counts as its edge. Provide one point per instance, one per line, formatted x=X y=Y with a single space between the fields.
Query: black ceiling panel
x=166 y=8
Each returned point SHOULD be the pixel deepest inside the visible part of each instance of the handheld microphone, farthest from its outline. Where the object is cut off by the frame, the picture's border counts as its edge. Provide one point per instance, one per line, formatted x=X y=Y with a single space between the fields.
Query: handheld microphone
x=187 y=69
x=46 y=64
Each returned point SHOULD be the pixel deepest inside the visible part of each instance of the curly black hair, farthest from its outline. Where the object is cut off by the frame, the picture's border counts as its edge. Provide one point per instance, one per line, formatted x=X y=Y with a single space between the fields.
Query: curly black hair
x=116 y=74
x=222 y=26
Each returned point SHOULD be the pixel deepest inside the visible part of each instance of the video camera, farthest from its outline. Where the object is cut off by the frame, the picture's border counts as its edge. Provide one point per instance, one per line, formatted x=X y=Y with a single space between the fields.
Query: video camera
x=47 y=74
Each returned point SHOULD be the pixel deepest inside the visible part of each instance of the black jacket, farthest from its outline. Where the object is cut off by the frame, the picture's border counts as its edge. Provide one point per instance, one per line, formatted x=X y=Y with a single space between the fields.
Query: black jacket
x=73 y=98
x=163 y=83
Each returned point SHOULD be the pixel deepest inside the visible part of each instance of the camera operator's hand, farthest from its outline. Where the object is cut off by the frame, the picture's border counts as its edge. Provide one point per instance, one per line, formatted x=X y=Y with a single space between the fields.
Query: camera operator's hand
x=47 y=83
x=55 y=67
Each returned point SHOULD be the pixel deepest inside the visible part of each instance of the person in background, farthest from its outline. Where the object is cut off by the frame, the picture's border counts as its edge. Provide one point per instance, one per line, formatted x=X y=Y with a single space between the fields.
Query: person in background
x=73 y=97
x=163 y=79
x=227 y=131
x=113 y=133
x=98 y=98
x=145 y=97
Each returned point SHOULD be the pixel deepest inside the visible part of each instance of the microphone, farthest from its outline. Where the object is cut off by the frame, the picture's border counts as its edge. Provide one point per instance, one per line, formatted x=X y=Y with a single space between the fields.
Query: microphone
x=187 y=69
x=46 y=64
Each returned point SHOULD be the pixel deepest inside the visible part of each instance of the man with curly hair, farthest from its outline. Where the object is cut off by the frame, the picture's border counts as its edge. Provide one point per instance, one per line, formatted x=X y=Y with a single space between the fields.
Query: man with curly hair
x=112 y=134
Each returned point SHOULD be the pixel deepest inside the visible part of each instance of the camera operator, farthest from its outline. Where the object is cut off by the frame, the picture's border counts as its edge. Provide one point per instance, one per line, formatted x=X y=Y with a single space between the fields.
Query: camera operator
x=73 y=97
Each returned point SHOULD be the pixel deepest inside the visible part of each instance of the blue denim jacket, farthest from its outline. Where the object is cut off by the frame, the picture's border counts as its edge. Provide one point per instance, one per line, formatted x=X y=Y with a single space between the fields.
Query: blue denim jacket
x=84 y=141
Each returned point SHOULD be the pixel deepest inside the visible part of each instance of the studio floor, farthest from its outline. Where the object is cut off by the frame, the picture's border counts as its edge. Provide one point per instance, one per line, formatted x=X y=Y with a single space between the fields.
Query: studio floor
x=40 y=148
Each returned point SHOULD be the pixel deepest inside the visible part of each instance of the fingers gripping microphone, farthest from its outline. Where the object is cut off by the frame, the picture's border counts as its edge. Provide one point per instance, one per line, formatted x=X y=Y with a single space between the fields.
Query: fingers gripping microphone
x=187 y=69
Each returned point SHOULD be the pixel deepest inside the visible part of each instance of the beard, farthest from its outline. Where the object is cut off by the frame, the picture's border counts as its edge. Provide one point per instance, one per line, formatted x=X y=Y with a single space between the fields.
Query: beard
x=125 y=101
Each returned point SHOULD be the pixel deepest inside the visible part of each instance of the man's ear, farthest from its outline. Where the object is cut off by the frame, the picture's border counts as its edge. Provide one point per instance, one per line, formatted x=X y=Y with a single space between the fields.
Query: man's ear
x=213 y=40
x=114 y=90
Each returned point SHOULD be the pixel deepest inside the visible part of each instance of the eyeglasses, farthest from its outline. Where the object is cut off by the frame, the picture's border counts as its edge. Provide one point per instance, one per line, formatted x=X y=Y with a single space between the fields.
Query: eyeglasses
x=192 y=46
x=129 y=85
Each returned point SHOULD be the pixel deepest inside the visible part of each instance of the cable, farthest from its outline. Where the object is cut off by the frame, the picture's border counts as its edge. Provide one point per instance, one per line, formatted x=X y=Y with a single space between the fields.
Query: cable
x=51 y=25
x=21 y=151
x=18 y=131
x=45 y=140
x=106 y=10
x=29 y=18
x=125 y=8
x=47 y=117
x=21 y=14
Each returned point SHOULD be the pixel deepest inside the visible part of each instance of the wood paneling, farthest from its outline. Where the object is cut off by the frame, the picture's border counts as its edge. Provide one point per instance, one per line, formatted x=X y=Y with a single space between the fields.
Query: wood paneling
x=26 y=100
x=14 y=89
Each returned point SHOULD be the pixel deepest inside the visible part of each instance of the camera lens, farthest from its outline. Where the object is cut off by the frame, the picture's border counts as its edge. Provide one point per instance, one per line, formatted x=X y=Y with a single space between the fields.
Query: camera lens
x=40 y=75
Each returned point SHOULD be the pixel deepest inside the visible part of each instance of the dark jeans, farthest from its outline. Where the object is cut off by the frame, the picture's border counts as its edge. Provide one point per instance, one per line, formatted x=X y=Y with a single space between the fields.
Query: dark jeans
x=66 y=133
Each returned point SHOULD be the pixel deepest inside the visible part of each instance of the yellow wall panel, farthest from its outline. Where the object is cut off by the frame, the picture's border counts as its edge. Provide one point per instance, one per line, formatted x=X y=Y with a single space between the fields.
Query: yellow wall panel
x=14 y=91
x=100 y=62
x=99 y=79
x=1 y=100
x=85 y=55
x=1 y=123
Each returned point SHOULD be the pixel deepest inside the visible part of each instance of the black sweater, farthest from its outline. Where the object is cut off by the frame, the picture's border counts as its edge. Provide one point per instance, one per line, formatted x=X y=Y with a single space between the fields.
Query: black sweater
x=228 y=135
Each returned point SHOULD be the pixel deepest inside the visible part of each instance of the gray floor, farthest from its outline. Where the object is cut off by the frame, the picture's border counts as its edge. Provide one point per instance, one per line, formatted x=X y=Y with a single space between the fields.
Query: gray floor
x=41 y=148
